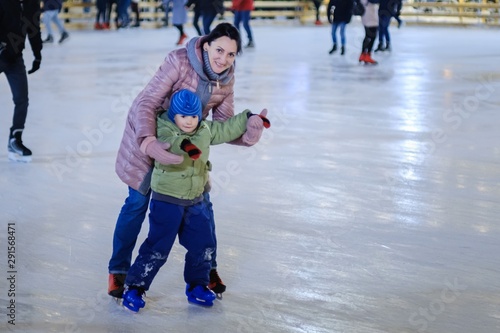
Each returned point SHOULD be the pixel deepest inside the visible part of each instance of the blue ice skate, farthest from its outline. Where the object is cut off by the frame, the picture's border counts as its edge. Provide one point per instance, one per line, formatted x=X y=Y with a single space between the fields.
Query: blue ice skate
x=200 y=295
x=132 y=298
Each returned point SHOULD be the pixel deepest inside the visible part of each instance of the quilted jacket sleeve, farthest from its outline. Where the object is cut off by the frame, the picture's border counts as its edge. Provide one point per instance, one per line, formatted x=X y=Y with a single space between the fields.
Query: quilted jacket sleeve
x=228 y=130
x=150 y=100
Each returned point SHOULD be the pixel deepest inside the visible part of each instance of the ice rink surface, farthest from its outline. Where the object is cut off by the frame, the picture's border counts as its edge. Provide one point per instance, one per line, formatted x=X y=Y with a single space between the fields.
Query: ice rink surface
x=371 y=206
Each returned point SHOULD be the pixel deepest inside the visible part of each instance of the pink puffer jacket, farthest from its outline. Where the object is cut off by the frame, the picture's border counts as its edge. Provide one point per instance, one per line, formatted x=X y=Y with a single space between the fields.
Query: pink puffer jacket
x=182 y=69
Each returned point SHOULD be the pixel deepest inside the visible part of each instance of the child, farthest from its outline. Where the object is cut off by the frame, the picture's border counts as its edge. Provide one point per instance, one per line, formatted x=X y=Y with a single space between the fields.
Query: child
x=177 y=206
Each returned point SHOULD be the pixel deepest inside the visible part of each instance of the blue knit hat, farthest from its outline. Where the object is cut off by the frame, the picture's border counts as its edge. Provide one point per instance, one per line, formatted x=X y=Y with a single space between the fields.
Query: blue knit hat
x=186 y=103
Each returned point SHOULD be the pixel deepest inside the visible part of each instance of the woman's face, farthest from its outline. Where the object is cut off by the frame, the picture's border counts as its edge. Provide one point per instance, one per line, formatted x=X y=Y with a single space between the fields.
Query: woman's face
x=221 y=53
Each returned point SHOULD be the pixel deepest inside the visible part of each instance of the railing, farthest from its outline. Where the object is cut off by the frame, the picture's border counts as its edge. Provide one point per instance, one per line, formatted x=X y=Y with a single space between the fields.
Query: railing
x=80 y=14
x=459 y=12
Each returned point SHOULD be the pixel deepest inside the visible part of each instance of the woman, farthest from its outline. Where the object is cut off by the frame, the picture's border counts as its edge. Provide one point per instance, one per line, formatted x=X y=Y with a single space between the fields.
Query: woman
x=206 y=67
x=179 y=17
x=370 y=22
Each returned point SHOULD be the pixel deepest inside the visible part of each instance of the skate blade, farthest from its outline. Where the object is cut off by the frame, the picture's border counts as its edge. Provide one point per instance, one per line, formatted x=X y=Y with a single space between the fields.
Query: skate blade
x=18 y=158
x=131 y=306
x=218 y=295
x=201 y=302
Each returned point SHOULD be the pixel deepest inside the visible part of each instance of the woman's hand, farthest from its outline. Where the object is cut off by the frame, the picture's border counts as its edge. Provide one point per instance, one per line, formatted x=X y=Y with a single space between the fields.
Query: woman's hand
x=158 y=151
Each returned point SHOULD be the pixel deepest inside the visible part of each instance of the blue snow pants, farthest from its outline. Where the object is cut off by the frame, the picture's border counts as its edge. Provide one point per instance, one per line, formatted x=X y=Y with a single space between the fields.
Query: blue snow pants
x=193 y=225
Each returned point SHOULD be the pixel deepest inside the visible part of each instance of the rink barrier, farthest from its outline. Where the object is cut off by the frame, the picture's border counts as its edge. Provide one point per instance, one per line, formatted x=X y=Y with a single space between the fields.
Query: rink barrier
x=464 y=13
x=80 y=14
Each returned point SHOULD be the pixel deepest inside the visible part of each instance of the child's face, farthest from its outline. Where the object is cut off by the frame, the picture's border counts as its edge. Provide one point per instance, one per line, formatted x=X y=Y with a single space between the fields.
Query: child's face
x=187 y=124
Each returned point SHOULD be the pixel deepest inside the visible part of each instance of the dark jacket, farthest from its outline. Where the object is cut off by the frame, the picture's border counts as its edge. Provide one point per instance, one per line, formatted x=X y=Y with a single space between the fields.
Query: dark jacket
x=196 y=3
x=389 y=7
x=342 y=11
x=212 y=6
x=17 y=23
x=52 y=5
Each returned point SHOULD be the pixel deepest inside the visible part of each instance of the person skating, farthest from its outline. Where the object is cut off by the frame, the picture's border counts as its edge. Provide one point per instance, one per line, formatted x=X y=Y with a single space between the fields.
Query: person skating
x=177 y=207
x=204 y=66
x=51 y=10
x=339 y=18
x=14 y=17
x=370 y=23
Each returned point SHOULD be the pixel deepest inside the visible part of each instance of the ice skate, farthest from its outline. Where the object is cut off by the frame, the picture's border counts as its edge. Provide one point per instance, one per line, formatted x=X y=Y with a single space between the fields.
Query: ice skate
x=49 y=39
x=116 y=285
x=216 y=284
x=64 y=36
x=368 y=59
x=380 y=47
x=18 y=152
x=133 y=298
x=334 y=48
x=200 y=295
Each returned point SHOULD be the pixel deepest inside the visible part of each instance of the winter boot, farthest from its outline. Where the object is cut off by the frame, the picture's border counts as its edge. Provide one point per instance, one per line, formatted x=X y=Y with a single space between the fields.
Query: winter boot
x=133 y=298
x=49 y=39
x=216 y=284
x=342 y=50
x=64 y=36
x=388 y=47
x=116 y=285
x=250 y=44
x=200 y=295
x=368 y=59
x=17 y=151
x=334 y=48
x=380 y=47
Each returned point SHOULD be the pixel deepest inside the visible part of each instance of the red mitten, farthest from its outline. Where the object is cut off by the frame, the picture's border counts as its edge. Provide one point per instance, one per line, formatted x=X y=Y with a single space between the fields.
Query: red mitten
x=266 y=121
x=193 y=151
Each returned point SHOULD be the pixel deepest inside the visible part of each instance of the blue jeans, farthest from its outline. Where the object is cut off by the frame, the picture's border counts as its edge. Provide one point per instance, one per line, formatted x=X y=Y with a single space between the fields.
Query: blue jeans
x=243 y=16
x=128 y=227
x=342 y=32
x=50 y=16
x=383 y=29
x=193 y=226
x=122 y=9
x=207 y=19
x=18 y=82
